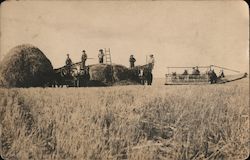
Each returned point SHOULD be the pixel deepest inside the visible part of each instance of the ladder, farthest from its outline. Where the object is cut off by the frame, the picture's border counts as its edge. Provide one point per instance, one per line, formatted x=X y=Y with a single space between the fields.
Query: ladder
x=109 y=61
x=108 y=56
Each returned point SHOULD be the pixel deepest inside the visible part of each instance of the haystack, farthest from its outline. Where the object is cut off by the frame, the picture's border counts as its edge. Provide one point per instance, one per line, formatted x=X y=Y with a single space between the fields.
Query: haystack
x=25 y=66
x=100 y=72
x=108 y=74
x=120 y=73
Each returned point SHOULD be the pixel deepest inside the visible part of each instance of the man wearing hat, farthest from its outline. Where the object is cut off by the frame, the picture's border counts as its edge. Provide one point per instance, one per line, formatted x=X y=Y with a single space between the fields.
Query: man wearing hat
x=68 y=64
x=151 y=61
x=100 y=56
x=132 y=61
x=84 y=58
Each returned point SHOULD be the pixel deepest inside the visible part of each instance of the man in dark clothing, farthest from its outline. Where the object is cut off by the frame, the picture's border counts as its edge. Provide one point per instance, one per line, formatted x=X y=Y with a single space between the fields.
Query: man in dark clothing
x=84 y=58
x=68 y=64
x=197 y=70
x=100 y=56
x=68 y=61
x=132 y=61
x=212 y=76
x=222 y=74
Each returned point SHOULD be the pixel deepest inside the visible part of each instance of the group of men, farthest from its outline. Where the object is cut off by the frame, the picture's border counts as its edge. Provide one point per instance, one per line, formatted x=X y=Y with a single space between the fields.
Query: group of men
x=84 y=58
x=195 y=71
x=150 y=61
x=101 y=55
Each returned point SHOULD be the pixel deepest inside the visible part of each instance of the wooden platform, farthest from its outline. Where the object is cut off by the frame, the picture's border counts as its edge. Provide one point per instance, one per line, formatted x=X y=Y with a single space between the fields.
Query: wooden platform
x=203 y=79
x=180 y=79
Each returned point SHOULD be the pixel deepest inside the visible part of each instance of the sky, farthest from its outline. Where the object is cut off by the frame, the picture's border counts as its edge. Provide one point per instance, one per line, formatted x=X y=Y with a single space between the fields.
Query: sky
x=178 y=33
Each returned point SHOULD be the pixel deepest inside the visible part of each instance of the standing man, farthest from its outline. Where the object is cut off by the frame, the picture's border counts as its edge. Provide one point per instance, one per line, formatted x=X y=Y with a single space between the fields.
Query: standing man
x=151 y=62
x=132 y=61
x=100 y=56
x=84 y=58
x=68 y=63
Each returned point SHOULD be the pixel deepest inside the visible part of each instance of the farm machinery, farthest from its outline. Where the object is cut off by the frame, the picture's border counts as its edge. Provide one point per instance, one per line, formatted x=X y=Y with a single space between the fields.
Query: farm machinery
x=71 y=76
x=206 y=76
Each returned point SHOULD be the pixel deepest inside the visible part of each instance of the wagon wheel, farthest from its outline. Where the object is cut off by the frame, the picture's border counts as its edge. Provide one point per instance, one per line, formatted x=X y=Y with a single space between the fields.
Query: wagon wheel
x=63 y=72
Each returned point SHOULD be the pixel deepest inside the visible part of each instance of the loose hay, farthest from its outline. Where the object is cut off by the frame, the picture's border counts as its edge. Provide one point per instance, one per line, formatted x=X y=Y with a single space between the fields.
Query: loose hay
x=111 y=74
x=100 y=72
x=25 y=66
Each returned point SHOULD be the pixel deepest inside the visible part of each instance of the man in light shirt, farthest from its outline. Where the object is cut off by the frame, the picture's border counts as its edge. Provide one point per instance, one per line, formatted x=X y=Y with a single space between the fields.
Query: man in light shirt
x=100 y=56
x=151 y=62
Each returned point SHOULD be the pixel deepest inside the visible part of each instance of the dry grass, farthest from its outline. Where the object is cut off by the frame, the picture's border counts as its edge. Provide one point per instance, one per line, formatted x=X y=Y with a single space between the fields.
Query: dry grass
x=128 y=122
x=102 y=73
x=25 y=66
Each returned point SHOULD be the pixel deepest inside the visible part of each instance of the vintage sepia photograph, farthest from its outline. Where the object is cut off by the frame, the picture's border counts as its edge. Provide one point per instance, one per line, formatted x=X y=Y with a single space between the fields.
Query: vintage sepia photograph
x=116 y=80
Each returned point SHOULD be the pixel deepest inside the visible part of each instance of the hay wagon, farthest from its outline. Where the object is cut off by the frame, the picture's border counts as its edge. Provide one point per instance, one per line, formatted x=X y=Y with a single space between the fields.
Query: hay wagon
x=206 y=76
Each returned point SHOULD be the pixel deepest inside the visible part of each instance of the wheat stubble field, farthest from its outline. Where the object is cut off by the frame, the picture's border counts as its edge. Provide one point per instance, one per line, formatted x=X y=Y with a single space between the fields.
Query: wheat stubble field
x=126 y=122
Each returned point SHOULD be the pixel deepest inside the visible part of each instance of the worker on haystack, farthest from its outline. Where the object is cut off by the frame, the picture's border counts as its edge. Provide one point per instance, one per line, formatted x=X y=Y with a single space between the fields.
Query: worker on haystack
x=151 y=62
x=100 y=56
x=68 y=64
x=132 y=61
x=84 y=58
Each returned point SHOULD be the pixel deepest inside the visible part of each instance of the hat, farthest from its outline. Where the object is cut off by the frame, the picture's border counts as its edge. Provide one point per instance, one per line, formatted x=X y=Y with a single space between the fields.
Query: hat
x=100 y=49
x=151 y=55
x=67 y=54
x=83 y=50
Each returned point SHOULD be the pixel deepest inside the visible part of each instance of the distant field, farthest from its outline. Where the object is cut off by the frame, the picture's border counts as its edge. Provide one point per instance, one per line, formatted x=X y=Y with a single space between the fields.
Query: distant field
x=126 y=122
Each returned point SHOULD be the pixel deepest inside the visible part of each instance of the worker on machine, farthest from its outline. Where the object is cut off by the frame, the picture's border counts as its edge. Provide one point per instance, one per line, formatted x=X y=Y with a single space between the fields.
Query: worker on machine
x=185 y=72
x=212 y=76
x=222 y=74
x=195 y=71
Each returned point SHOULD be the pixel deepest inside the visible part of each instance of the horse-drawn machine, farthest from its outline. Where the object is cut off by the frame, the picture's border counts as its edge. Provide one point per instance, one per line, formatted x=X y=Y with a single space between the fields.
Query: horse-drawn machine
x=78 y=76
x=72 y=76
x=206 y=76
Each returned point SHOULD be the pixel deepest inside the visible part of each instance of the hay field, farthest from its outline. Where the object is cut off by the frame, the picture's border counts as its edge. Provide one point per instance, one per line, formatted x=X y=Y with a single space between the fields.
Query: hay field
x=126 y=122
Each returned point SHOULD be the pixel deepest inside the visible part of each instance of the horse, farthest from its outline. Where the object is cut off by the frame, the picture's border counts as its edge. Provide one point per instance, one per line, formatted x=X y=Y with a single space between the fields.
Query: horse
x=64 y=76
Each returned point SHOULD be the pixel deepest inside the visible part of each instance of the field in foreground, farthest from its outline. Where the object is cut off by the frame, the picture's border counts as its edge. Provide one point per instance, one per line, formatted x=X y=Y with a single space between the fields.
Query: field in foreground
x=126 y=122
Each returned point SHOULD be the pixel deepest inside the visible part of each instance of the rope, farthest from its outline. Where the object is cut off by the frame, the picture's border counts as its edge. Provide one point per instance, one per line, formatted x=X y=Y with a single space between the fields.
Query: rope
x=208 y=67
x=226 y=68
x=191 y=67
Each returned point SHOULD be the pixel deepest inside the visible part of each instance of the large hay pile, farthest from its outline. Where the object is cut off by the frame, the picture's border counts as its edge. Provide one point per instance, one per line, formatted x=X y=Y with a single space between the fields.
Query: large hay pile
x=25 y=66
x=100 y=72
x=109 y=75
